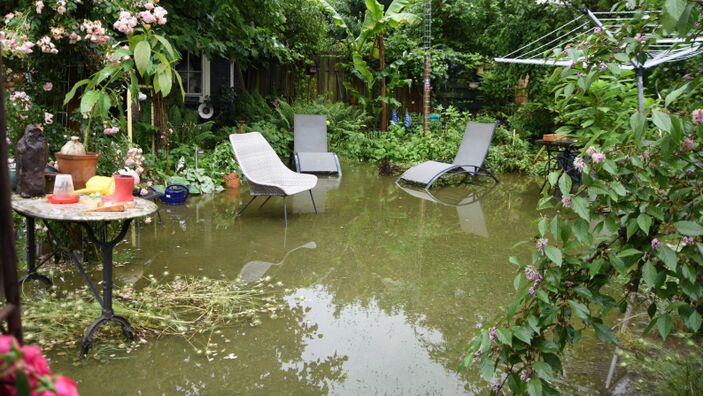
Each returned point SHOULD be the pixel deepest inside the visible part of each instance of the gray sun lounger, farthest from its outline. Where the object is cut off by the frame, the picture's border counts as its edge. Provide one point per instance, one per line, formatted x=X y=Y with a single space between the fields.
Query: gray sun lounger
x=265 y=173
x=310 y=145
x=469 y=160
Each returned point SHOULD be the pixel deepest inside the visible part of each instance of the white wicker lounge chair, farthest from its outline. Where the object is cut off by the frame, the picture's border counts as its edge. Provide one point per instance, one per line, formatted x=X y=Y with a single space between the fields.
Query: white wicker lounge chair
x=265 y=173
x=310 y=145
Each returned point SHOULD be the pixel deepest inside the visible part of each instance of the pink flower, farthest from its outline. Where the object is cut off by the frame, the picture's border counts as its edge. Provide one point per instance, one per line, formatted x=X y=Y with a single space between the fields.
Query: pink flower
x=39 y=6
x=149 y=6
x=655 y=244
x=73 y=38
x=129 y=162
x=160 y=15
x=7 y=343
x=687 y=241
x=641 y=39
x=148 y=220
x=603 y=66
x=147 y=17
x=579 y=164
x=597 y=30
x=698 y=116
x=48 y=86
x=687 y=144
x=143 y=192
x=33 y=358
x=61 y=10
x=540 y=244
x=567 y=201
x=598 y=157
x=132 y=152
x=65 y=386
x=48 y=118
x=591 y=150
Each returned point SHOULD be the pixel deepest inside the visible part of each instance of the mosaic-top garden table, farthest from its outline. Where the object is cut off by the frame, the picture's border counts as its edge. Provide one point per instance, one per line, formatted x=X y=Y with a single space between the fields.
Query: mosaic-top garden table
x=96 y=226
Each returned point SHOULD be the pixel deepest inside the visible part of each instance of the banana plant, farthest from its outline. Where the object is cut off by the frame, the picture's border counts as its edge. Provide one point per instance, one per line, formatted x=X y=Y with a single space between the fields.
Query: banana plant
x=376 y=22
x=143 y=58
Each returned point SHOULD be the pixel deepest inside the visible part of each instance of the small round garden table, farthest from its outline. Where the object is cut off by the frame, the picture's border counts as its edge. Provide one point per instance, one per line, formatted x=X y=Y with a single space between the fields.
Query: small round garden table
x=96 y=225
x=554 y=148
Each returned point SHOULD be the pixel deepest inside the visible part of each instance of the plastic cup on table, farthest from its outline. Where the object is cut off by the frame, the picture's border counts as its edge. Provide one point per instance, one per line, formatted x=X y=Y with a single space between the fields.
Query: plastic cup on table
x=63 y=191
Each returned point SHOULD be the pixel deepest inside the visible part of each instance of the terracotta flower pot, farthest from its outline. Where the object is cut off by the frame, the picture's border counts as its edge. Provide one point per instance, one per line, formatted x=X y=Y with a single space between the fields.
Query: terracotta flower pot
x=80 y=167
x=232 y=180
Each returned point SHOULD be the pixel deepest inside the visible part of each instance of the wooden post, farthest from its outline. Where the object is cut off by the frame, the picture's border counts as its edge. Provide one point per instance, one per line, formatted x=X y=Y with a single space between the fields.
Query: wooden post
x=129 y=115
x=426 y=96
x=382 y=68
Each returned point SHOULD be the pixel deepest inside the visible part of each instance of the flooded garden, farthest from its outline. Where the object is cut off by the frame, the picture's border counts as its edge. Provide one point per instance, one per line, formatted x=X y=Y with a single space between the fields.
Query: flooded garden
x=380 y=290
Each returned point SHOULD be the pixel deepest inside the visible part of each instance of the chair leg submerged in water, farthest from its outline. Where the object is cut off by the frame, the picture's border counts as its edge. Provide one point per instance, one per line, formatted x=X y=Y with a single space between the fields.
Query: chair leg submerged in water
x=285 y=205
x=265 y=173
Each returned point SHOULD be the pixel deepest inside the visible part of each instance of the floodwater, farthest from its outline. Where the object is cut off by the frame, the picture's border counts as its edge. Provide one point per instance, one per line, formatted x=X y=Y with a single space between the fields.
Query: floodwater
x=385 y=290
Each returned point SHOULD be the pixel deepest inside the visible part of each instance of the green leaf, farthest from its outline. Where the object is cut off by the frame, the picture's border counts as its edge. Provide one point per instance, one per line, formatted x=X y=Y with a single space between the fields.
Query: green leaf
x=167 y=45
x=565 y=183
x=688 y=228
x=543 y=370
x=554 y=254
x=523 y=333
x=629 y=252
x=535 y=387
x=604 y=333
x=543 y=226
x=505 y=336
x=552 y=178
x=579 y=309
x=668 y=256
x=554 y=361
x=88 y=101
x=580 y=206
x=73 y=90
x=581 y=231
x=662 y=120
x=672 y=96
x=638 y=126
x=664 y=325
x=486 y=367
x=548 y=347
x=694 y=321
x=165 y=82
x=142 y=56
x=650 y=274
x=21 y=384
x=644 y=222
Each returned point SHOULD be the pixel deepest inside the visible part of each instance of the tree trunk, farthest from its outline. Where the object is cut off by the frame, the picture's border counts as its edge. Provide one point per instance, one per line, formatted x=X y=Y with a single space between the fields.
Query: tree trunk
x=382 y=68
x=240 y=86
x=161 y=120
x=8 y=254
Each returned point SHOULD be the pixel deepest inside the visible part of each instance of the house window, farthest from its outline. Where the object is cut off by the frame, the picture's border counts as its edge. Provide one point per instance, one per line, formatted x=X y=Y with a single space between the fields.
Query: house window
x=194 y=70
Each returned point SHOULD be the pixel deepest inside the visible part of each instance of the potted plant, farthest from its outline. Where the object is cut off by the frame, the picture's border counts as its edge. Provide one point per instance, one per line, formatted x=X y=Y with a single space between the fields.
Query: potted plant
x=75 y=161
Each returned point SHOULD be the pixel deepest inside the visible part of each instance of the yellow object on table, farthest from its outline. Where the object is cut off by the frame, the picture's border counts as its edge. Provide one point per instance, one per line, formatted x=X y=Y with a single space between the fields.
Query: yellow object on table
x=98 y=184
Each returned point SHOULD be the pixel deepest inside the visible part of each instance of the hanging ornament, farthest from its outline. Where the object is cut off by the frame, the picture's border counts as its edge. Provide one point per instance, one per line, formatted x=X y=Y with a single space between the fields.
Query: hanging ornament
x=394 y=117
x=407 y=120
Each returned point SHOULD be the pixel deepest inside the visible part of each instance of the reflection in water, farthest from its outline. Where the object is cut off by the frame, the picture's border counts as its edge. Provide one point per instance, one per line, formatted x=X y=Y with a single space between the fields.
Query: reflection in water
x=383 y=352
x=392 y=292
x=302 y=202
x=255 y=270
x=466 y=200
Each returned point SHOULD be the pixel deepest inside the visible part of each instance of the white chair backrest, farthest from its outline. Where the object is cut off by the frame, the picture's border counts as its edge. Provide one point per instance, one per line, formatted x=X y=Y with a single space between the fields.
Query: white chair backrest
x=256 y=157
x=475 y=144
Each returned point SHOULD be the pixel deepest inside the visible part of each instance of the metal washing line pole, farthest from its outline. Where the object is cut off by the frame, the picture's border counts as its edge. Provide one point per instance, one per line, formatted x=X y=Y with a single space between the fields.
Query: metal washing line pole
x=665 y=50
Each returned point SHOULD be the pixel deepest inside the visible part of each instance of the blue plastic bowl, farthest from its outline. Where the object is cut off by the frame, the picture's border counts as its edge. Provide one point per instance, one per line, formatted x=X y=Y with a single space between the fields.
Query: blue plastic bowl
x=175 y=194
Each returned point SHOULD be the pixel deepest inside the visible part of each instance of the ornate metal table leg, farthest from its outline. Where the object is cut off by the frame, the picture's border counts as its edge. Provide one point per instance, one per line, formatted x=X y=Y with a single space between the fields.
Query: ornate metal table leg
x=31 y=256
x=108 y=315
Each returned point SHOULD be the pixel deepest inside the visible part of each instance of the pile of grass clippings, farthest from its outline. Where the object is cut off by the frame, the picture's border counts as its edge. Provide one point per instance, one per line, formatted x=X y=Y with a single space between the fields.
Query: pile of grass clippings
x=188 y=307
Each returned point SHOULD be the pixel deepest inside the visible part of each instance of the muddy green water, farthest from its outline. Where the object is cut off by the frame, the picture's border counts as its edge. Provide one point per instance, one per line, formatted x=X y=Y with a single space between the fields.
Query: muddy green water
x=385 y=290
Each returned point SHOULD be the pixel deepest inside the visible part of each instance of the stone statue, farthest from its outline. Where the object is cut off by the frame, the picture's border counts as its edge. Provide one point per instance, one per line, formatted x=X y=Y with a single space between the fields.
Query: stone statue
x=31 y=155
